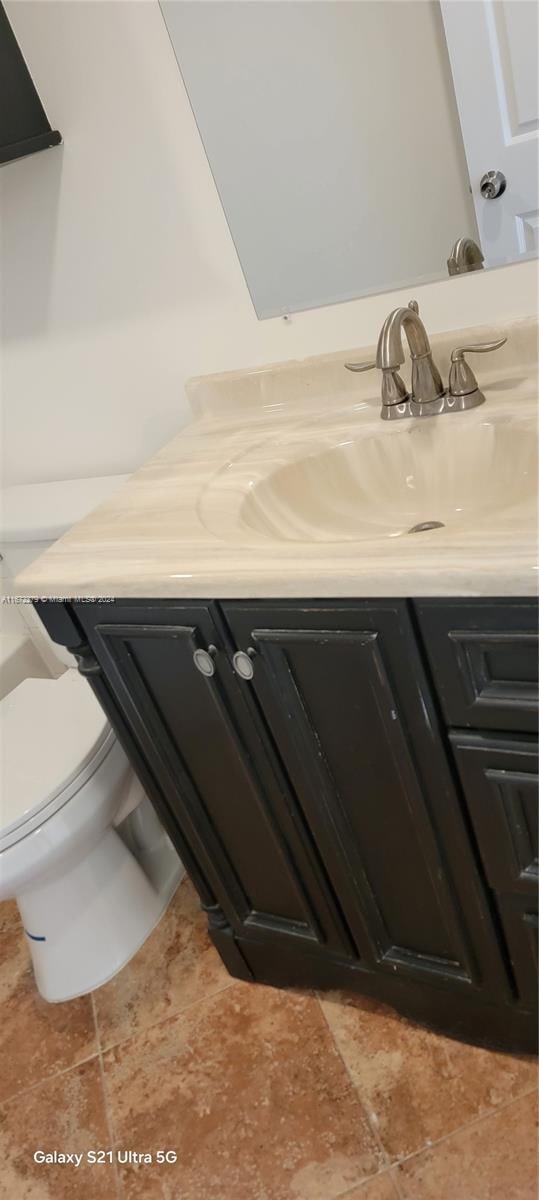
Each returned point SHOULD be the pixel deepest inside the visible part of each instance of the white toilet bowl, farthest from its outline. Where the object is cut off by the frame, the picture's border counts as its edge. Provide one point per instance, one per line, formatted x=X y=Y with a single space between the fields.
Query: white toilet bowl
x=86 y=900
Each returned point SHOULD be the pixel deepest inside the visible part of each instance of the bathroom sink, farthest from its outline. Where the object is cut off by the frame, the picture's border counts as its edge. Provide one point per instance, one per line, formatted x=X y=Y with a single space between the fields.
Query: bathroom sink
x=439 y=473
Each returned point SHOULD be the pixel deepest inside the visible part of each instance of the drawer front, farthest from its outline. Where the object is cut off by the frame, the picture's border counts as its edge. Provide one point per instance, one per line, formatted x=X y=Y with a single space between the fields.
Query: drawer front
x=483 y=657
x=500 y=781
x=520 y=922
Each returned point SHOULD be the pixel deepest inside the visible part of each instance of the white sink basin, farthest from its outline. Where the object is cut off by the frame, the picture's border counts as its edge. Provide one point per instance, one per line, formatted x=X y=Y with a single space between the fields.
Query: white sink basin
x=444 y=469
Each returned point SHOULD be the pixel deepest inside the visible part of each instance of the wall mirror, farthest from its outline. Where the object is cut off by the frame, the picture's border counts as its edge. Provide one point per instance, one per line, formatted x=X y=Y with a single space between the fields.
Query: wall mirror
x=353 y=143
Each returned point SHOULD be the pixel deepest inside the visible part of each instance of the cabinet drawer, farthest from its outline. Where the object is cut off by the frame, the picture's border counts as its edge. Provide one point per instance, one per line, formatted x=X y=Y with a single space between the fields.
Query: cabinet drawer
x=483 y=657
x=500 y=779
x=520 y=922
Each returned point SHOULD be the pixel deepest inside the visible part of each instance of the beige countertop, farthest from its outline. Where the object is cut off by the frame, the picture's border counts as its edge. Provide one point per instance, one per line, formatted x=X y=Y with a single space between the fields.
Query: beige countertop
x=285 y=484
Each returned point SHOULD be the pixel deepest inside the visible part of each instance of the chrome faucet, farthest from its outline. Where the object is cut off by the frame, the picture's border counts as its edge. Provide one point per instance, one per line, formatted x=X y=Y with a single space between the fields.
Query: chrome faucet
x=427 y=386
x=465 y=256
x=427 y=397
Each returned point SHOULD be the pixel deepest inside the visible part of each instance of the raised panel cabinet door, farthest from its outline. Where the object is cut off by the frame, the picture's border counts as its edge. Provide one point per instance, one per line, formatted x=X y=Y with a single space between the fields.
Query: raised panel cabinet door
x=521 y=924
x=500 y=777
x=484 y=657
x=342 y=688
x=193 y=729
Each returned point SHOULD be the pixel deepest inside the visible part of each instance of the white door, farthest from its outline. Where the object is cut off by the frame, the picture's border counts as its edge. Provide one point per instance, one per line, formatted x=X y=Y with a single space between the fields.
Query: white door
x=493 y=49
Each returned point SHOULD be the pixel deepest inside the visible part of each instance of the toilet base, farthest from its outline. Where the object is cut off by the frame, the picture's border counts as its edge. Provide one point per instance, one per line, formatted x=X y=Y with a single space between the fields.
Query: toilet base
x=85 y=925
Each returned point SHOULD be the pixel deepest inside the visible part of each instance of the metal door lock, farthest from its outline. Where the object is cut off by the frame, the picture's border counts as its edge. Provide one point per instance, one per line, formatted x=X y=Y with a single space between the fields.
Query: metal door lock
x=492 y=185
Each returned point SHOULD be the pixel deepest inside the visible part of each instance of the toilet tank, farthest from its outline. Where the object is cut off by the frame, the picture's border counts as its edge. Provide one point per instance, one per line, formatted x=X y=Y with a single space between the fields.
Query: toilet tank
x=32 y=517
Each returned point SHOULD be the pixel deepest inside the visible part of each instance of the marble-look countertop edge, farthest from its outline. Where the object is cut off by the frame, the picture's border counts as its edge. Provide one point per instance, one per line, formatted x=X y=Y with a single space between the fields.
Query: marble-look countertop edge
x=150 y=542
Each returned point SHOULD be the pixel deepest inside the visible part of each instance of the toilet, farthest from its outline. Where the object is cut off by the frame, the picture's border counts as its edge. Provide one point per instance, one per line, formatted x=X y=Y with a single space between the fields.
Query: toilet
x=32 y=517
x=81 y=848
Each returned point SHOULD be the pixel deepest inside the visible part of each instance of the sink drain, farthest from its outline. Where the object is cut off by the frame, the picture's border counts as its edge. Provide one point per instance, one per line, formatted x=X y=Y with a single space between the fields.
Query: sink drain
x=423 y=525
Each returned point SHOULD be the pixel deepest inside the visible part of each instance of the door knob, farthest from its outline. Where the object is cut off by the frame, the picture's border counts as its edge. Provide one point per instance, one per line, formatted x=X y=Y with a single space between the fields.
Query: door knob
x=492 y=185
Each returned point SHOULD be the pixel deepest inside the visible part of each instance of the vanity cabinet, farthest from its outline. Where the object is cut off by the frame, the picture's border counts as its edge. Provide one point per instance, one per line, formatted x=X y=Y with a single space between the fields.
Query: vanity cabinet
x=483 y=657
x=343 y=693
x=484 y=660
x=227 y=799
x=321 y=768
x=501 y=781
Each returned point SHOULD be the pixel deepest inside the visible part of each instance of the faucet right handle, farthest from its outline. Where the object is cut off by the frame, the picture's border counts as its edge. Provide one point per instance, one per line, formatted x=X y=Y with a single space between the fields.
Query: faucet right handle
x=462 y=381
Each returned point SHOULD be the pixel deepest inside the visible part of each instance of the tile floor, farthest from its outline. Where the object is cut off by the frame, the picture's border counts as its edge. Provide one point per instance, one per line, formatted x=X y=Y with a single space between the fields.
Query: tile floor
x=261 y=1094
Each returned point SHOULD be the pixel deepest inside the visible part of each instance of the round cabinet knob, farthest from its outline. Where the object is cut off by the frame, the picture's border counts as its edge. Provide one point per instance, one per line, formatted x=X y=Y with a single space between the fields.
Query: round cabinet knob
x=492 y=185
x=203 y=660
x=243 y=664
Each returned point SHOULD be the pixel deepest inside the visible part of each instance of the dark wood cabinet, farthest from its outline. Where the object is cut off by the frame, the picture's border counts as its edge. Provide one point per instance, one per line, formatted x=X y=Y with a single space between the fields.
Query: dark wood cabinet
x=484 y=659
x=520 y=924
x=358 y=738
x=338 y=833
x=215 y=772
x=501 y=782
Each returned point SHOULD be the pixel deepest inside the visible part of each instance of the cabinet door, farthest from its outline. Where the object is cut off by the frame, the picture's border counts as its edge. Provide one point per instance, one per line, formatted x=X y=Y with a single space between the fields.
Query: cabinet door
x=500 y=779
x=195 y=732
x=342 y=687
x=520 y=922
x=483 y=656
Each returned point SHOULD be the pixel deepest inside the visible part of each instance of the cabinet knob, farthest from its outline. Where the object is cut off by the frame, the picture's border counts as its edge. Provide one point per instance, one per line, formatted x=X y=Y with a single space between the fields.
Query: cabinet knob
x=204 y=661
x=242 y=662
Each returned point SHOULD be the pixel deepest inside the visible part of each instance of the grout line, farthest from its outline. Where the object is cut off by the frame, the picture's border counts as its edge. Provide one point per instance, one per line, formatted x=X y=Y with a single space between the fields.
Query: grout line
x=485 y=1116
x=49 y=1078
x=372 y=1124
x=170 y=1016
x=108 y=1118
x=364 y=1183
x=395 y=1163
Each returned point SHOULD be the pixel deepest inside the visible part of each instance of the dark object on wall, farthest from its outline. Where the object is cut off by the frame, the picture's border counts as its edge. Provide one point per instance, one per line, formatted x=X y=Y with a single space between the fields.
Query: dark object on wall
x=24 y=127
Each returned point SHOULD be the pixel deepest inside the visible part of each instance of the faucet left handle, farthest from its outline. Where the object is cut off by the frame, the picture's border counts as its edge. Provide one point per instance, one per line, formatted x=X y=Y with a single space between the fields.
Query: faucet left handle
x=361 y=366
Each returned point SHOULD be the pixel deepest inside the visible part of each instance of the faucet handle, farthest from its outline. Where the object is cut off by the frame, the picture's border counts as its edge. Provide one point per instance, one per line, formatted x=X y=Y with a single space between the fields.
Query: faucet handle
x=361 y=366
x=462 y=381
x=479 y=348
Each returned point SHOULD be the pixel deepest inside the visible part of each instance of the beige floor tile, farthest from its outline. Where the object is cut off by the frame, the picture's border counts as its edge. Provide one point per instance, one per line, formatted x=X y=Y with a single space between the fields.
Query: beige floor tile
x=419 y=1086
x=9 y=915
x=36 y=1039
x=249 y=1091
x=65 y=1114
x=177 y=966
x=383 y=1187
x=493 y=1159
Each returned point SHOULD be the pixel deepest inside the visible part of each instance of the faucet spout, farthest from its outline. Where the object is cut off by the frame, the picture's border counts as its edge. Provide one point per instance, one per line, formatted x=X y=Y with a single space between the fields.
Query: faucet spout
x=390 y=354
x=427 y=383
x=465 y=256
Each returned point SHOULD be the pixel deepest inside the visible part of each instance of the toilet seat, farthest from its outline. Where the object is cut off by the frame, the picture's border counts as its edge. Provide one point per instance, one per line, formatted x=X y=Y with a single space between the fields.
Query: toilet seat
x=54 y=737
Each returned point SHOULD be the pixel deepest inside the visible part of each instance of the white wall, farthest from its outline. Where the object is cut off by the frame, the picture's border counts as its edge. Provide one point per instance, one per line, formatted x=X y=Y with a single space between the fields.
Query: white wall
x=119 y=275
